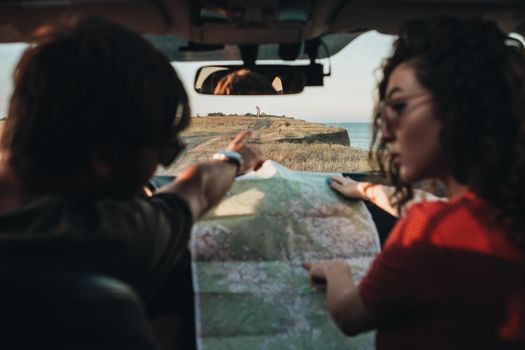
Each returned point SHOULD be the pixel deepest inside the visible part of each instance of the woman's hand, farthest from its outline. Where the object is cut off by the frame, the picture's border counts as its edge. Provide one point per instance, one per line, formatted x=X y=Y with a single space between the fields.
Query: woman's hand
x=317 y=275
x=342 y=296
x=348 y=187
x=251 y=155
x=320 y=273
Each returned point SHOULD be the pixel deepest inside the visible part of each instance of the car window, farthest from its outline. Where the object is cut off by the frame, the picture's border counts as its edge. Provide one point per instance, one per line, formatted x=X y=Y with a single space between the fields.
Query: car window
x=323 y=129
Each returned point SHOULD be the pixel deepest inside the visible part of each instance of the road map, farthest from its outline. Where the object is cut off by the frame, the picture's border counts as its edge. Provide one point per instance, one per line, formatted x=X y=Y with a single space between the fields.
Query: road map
x=251 y=291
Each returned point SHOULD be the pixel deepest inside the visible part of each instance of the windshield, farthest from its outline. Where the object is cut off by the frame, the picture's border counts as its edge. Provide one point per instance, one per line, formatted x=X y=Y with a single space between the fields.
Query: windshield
x=323 y=129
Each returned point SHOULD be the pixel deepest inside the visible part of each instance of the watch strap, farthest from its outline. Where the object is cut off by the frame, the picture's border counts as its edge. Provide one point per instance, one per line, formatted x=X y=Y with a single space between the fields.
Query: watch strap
x=229 y=157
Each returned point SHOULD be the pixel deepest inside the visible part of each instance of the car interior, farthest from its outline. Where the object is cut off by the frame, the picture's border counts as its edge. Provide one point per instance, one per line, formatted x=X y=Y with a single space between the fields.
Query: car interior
x=295 y=33
x=41 y=303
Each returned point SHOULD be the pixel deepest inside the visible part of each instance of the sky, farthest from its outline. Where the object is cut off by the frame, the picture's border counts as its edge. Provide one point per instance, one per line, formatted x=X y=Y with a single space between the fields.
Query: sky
x=347 y=95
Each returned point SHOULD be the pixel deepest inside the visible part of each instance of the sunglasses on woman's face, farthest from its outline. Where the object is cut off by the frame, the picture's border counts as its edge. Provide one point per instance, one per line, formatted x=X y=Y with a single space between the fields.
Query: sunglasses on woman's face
x=391 y=110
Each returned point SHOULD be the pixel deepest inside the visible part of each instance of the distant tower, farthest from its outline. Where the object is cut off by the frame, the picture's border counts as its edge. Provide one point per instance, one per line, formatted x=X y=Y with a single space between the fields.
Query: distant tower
x=258 y=111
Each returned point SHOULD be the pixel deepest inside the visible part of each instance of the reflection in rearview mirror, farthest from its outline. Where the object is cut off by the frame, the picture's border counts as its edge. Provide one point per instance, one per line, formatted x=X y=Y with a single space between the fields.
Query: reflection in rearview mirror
x=244 y=82
x=254 y=80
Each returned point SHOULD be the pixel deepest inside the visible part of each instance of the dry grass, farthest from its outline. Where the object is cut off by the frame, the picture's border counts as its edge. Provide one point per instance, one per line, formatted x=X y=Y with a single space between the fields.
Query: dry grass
x=318 y=157
x=288 y=128
x=210 y=126
x=206 y=135
x=270 y=128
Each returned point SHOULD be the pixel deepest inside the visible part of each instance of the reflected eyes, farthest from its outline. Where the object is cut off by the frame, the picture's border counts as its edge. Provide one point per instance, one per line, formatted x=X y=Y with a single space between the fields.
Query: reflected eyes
x=397 y=107
x=392 y=109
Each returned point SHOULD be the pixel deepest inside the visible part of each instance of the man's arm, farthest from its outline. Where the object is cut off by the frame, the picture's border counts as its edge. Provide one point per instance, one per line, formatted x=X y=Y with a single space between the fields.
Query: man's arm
x=203 y=185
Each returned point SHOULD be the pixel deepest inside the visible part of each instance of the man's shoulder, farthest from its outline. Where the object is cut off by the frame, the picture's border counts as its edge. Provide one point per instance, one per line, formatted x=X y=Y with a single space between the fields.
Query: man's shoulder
x=59 y=215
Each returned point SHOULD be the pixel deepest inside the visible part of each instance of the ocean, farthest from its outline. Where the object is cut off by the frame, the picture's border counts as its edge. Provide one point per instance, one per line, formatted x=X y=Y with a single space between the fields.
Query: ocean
x=360 y=134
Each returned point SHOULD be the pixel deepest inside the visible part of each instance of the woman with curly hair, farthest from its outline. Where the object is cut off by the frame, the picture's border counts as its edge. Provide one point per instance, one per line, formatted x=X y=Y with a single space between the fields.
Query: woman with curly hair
x=451 y=275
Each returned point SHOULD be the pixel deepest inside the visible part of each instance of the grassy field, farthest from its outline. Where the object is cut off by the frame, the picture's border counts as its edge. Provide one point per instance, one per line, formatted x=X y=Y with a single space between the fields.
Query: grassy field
x=214 y=126
x=207 y=135
x=277 y=137
x=271 y=129
x=317 y=157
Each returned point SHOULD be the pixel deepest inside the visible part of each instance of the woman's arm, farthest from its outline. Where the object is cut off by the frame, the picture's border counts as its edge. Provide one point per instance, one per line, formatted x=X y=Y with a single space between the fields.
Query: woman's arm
x=342 y=296
x=380 y=195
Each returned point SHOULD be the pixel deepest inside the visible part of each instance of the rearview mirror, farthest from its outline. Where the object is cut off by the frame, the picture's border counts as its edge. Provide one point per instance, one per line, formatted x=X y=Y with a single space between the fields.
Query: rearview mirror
x=252 y=80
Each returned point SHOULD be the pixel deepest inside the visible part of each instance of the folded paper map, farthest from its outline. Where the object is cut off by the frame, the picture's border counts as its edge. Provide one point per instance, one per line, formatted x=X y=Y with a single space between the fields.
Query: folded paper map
x=251 y=291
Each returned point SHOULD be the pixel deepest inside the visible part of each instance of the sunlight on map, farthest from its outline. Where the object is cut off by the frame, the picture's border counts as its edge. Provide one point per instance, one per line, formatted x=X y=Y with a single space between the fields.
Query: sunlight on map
x=244 y=203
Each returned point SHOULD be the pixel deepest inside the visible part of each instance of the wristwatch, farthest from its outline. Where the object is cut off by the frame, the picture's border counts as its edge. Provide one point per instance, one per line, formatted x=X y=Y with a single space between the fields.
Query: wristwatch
x=229 y=157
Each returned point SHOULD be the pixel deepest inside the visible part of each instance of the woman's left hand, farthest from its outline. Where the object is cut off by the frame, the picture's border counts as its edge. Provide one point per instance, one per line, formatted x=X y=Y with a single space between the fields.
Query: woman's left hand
x=342 y=297
x=348 y=187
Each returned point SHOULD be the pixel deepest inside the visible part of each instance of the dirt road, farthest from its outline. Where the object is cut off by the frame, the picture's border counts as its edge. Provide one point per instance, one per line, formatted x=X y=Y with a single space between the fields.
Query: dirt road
x=261 y=124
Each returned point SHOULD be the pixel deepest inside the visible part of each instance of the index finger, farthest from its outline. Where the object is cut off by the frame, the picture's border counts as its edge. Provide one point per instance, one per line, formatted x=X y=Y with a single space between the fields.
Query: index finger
x=242 y=137
x=337 y=178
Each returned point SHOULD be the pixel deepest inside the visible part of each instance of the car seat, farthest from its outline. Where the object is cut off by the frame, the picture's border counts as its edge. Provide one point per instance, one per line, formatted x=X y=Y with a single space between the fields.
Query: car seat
x=46 y=306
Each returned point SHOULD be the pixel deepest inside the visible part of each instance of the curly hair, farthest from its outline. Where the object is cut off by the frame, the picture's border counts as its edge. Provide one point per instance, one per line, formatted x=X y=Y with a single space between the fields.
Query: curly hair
x=476 y=75
x=85 y=87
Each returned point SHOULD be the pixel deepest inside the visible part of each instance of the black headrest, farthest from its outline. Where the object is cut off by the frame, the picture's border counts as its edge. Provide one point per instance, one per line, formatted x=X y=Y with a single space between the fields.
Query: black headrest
x=52 y=307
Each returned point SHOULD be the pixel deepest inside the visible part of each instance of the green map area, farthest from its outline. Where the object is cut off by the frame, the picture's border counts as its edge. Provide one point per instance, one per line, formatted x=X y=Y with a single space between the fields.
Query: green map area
x=251 y=291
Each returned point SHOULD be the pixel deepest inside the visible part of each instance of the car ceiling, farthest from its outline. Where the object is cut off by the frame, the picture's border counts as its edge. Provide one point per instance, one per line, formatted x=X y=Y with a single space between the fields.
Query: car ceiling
x=199 y=25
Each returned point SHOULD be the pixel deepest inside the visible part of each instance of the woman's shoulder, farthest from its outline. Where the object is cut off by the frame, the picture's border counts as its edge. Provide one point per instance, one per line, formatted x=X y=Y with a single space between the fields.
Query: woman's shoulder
x=424 y=221
x=466 y=222
x=467 y=203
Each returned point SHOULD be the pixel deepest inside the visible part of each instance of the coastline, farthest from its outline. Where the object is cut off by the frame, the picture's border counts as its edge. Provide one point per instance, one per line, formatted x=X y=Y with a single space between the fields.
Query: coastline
x=296 y=144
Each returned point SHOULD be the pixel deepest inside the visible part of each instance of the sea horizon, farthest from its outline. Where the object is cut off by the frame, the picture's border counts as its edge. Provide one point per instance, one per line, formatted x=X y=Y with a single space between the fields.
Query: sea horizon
x=359 y=133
